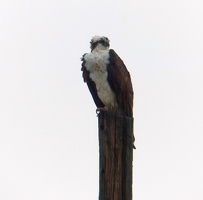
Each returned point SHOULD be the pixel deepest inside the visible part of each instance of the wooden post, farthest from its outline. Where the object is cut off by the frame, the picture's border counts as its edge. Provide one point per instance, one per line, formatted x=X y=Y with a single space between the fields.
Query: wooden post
x=116 y=155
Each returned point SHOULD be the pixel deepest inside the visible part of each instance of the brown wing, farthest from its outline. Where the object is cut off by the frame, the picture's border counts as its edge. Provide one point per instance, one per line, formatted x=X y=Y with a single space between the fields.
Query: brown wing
x=120 y=82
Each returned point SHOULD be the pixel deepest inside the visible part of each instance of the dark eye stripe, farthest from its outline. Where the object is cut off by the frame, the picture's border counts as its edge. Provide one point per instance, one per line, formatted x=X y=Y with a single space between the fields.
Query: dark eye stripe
x=102 y=41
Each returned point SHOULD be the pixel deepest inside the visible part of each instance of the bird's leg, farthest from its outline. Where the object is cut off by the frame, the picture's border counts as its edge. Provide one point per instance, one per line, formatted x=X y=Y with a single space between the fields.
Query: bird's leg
x=106 y=108
x=101 y=109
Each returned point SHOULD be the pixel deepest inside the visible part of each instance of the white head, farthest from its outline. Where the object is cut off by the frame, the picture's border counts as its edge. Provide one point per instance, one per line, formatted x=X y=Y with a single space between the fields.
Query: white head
x=99 y=43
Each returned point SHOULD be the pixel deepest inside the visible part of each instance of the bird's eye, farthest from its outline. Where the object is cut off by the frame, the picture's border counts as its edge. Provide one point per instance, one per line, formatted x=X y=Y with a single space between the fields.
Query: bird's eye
x=104 y=42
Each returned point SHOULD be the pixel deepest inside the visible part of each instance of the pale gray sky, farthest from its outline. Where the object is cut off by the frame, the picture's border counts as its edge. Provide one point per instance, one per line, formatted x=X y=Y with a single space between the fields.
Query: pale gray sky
x=48 y=124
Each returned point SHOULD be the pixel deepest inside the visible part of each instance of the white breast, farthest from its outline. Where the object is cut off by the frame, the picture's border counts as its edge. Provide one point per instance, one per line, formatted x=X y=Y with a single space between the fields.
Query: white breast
x=96 y=63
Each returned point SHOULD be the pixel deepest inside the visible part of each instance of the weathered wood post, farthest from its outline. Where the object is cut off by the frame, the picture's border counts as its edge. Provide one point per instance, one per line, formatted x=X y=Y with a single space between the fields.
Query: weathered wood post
x=116 y=156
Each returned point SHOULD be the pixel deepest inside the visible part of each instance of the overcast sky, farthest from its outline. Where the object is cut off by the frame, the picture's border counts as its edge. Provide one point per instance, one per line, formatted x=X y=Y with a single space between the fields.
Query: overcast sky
x=48 y=124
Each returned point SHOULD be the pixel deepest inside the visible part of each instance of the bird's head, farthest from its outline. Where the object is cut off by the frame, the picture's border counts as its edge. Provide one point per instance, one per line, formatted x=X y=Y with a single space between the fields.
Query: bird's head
x=99 y=43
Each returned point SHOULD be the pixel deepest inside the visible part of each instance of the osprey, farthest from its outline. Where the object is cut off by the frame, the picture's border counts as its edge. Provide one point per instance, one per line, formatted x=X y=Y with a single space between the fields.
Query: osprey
x=107 y=78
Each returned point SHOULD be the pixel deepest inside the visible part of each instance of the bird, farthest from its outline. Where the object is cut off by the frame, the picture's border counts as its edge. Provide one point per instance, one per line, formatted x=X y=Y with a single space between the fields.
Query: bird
x=107 y=78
